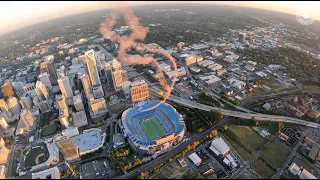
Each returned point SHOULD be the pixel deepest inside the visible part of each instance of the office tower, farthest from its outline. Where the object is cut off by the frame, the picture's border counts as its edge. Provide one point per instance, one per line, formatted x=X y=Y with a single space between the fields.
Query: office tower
x=98 y=107
x=14 y=105
x=18 y=88
x=50 y=68
x=42 y=91
x=125 y=76
x=79 y=118
x=92 y=68
x=27 y=118
x=61 y=71
x=139 y=91
x=77 y=101
x=26 y=102
x=85 y=81
x=68 y=148
x=4 y=152
x=45 y=79
x=108 y=70
x=3 y=122
x=97 y=91
x=61 y=101
x=63 y=118
x=5 y=108
x=7 y=90
x=44 y=105
x=2 y=172
x=3 y=125
x=65 y=87
x=116 y=75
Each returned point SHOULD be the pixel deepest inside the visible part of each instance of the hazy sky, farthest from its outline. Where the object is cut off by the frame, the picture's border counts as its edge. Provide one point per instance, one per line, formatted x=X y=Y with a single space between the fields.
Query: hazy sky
x=17 y=14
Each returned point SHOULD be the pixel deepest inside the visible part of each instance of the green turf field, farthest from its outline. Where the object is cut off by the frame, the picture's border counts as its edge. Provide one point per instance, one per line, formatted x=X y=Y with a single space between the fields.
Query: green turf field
x=31 y=156
x=152 y=128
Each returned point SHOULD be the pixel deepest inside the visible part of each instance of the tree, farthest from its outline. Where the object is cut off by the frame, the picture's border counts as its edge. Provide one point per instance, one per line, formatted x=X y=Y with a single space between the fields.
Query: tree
x=143 y=175
x=214 y=132
x=224 y=128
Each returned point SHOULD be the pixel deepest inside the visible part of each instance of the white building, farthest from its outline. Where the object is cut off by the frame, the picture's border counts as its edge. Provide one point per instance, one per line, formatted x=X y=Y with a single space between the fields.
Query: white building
x=211 y=80
x=231 y=58
x=236 y=83
x=165 y=67
x=195 y=159
x=180 y=72
x=221 y=146
x=52 y=173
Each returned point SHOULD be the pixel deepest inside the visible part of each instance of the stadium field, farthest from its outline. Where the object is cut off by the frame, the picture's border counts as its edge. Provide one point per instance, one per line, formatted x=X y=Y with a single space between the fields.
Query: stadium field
x=152 y=128
x=32 y=156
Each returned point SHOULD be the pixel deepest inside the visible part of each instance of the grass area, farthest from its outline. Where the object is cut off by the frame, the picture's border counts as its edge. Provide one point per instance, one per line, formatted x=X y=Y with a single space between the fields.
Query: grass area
x=263 y=169
x=276 y=153
x=247 y=136
x=31 y=157
x=245 y=155
x=17 y=154
x=313 y=89
x=152 y=128
x=49 y=130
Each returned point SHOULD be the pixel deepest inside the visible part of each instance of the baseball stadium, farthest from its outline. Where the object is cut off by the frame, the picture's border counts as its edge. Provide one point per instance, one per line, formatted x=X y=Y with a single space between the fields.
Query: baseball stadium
x=155 y=130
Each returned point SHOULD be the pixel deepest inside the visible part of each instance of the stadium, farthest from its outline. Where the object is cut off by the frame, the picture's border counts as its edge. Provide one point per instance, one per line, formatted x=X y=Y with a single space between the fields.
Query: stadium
x=152 y=131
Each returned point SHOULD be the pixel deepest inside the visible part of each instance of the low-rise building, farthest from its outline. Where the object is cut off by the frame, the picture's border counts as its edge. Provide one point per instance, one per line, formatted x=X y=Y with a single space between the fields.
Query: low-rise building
x=79 y=118
x=195 y=159
x=52 y=173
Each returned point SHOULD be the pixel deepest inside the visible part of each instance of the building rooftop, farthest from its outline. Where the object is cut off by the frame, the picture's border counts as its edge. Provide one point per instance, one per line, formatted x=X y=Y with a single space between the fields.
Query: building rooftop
x=89 y=140
x=52 y=173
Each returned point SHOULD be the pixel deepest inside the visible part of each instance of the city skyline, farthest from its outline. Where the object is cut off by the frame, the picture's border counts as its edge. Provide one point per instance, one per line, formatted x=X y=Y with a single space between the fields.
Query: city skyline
x=17 y=15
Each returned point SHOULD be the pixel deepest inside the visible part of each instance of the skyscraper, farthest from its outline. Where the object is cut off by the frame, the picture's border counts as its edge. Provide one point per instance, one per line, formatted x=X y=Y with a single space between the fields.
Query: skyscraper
x=26 y=102
x=117 y=75
x=139 y=91
x=64 y=118
x=27 y=118
x=50 y=68
x=108 y=69
x=92 y=68
x=45 y=79
x=85 y=81
x=14 y=105
x=42 y=91
x=61 y=101
x=65 y=87
x=5 y=108
x=7 y=89
x=68 y=148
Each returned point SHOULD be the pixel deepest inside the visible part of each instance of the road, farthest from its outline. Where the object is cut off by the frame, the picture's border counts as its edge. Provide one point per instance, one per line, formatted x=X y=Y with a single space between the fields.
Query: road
x=293 y=153
x=255 y=116
x=164 y=157
x=252 y=99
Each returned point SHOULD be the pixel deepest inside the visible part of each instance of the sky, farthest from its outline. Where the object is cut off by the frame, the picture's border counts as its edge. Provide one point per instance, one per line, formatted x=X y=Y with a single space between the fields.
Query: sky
x=18 y=14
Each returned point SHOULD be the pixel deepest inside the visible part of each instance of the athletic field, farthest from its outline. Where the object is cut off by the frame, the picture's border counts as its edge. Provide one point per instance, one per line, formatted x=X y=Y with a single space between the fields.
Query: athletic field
x=152 y=128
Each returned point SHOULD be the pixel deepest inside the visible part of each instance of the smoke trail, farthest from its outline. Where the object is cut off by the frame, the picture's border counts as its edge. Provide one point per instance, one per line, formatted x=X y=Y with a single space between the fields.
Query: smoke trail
x=138 y=33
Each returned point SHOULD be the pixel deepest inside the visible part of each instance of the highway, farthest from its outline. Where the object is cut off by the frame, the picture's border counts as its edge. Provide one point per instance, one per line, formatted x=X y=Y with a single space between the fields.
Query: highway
x=255 y=116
